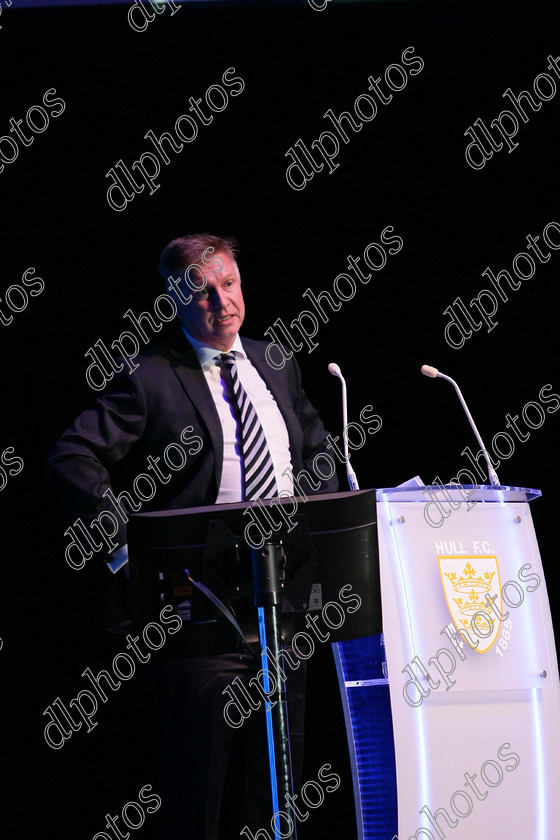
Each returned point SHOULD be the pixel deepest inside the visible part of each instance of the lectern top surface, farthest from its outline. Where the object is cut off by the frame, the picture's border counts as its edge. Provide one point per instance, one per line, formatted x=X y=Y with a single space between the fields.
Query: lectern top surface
x=474 y=492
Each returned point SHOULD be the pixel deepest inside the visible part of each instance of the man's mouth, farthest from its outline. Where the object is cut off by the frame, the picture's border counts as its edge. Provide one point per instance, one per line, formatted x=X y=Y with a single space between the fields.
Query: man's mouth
x=224 y=319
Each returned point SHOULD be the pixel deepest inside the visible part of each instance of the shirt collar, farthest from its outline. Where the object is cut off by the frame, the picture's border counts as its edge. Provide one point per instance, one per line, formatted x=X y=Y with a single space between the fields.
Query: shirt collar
x=207 y=354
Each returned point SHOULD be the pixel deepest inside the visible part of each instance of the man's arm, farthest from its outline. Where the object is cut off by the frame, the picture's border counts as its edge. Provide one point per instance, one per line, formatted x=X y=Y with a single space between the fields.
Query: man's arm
x=78 y=466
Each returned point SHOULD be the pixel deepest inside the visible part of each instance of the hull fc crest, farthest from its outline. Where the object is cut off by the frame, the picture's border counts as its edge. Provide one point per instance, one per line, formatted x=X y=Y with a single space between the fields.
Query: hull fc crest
x=469 y=583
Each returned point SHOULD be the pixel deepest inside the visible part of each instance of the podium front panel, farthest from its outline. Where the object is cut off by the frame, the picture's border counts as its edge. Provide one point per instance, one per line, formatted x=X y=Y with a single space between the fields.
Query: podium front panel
x=476 y=727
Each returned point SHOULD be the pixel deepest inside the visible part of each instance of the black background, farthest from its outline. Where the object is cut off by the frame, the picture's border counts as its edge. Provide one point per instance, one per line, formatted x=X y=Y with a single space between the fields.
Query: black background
x=406 y=168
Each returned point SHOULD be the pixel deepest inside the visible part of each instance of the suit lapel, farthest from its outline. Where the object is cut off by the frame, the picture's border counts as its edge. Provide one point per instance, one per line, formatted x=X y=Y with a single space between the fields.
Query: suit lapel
x=184 y=362
x=276 y=382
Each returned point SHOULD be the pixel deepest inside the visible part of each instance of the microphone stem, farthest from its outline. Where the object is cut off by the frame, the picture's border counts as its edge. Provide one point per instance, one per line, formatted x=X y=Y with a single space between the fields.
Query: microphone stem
x=494 y=480
x=350 y=474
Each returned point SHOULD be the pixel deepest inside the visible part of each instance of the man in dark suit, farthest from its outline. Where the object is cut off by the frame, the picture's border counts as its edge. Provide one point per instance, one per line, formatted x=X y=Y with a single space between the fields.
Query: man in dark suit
x=179 y=398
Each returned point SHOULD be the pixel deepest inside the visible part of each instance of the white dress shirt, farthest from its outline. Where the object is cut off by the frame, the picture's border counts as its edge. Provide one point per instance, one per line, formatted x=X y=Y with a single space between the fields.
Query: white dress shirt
x=231 y=487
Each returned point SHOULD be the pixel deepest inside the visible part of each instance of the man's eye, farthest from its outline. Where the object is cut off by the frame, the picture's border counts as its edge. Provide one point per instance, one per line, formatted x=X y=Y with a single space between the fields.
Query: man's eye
x=202 y=294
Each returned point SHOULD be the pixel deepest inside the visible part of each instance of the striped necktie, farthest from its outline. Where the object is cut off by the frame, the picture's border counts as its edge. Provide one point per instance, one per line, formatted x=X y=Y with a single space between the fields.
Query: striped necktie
x=259 y=481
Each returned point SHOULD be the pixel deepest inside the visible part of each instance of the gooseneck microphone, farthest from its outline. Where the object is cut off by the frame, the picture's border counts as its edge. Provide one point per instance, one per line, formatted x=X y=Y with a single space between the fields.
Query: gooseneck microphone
x=434 y=373
x=351 y=475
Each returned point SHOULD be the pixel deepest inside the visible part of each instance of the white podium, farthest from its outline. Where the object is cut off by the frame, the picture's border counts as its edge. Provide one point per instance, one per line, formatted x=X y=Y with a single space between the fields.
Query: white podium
x=472 y=667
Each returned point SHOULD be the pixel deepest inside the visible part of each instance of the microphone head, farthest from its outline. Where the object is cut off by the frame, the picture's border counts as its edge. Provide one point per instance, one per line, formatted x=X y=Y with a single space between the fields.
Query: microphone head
x=428 y=370
x=335 y=369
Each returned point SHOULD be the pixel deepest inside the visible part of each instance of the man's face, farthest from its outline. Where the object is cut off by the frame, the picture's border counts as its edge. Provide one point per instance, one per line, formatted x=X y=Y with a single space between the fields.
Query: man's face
x=216 y=312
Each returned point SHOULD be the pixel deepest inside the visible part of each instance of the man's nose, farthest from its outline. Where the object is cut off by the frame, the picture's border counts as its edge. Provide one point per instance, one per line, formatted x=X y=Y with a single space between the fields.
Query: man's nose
x=218 y=299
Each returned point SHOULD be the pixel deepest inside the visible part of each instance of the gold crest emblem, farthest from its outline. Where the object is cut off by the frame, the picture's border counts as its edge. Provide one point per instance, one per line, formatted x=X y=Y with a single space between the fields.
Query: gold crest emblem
x=467 y=583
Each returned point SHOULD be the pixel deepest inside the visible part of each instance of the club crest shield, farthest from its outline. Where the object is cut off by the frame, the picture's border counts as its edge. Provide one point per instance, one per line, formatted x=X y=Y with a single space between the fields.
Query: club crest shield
x=466 y=582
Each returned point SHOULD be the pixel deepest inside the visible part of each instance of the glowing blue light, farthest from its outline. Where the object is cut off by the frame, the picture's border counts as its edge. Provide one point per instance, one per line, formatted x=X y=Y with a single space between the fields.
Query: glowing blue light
x=420 y=736
x=540 y=782
x=269 y=727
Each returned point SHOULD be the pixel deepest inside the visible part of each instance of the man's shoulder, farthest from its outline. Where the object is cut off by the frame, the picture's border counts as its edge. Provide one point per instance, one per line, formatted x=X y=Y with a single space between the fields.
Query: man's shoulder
x=253 y=345
x=173 y=344
x=279 y=376
x=172 y=350
x=260 y=350
x=154 y=366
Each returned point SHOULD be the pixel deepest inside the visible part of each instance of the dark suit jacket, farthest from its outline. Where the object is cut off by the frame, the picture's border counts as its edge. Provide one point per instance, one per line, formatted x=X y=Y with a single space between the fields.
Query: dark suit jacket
x=140 y=414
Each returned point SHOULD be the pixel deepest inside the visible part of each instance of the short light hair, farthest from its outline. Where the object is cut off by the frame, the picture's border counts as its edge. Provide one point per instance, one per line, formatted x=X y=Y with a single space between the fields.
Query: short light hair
x=180 y=253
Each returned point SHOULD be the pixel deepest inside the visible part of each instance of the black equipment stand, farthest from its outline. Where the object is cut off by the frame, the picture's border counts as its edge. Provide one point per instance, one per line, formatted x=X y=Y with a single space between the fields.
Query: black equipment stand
x=268 y=577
